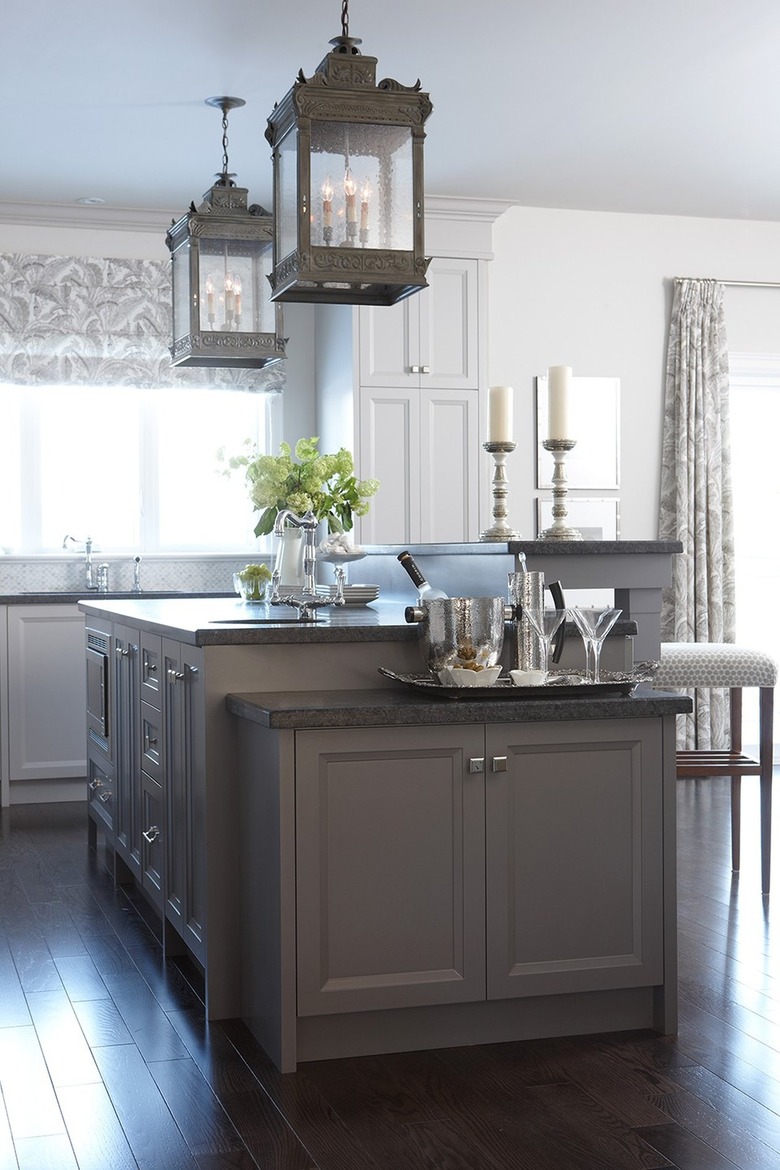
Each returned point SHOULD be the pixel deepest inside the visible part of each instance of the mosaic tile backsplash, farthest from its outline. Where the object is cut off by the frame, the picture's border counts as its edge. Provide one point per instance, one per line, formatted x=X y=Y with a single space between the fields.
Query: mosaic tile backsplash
x=189 y=574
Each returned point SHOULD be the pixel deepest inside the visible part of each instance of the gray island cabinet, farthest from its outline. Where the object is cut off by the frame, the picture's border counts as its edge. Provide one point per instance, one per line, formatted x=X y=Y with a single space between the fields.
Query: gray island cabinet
x=441 y=880
x=359 y=868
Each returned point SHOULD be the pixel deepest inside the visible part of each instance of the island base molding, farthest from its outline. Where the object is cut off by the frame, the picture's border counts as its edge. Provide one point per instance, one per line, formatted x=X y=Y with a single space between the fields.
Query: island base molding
x=452 y=1025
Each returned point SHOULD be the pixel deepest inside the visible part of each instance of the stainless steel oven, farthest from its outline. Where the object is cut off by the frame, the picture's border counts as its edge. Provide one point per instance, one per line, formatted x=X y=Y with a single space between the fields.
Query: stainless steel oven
x=98 y=721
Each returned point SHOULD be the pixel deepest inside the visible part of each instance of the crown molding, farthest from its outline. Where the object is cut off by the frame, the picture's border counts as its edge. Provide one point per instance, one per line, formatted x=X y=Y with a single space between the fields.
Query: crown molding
x=461 y=207
x=69 y=215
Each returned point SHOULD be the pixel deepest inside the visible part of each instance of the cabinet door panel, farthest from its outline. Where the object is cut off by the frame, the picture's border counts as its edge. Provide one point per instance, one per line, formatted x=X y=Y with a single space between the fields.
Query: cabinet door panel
x=449 y=326
x=126 y=709
x=390 y=872
x=574 y=894
x=47 y=700
x=449 y=442
x=389 y=445
x=389 y=343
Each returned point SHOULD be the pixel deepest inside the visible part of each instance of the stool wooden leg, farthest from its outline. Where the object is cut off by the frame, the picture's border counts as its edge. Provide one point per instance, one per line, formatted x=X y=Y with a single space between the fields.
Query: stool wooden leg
x=766 y=717
x=735 y=738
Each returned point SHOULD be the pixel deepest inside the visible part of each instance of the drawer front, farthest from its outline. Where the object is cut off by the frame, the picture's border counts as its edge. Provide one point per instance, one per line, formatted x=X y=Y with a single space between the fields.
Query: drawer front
x=151 y=741
x=152 y=830
x=151 y=654
x=100 y=792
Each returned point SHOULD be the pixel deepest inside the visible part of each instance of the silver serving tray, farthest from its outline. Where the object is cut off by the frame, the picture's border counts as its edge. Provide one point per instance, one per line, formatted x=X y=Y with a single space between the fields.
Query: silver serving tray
x=563 y=686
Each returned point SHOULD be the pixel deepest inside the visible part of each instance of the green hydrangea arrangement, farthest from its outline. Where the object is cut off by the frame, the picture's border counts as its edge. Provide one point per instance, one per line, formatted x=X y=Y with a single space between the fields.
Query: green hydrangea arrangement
x=323 y=484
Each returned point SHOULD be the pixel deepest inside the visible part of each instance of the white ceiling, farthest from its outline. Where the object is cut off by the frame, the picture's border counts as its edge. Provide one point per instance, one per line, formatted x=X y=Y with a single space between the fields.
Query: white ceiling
x=667 y=106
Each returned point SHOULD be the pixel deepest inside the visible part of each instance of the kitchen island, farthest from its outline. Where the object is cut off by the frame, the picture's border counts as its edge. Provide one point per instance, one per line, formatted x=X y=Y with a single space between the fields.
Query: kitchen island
x=357 y=867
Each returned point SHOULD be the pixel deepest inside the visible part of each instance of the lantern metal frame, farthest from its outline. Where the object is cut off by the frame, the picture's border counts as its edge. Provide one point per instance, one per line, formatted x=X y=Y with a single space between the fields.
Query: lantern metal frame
x=343 y=93
x=223 y=220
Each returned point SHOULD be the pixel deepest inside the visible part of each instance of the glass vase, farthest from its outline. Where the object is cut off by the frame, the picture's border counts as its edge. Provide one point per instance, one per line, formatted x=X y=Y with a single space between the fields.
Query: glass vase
x=289 y=557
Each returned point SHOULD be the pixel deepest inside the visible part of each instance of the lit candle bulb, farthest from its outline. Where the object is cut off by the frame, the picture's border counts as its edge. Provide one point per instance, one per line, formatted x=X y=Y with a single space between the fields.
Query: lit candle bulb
x=237 y=291
x=228 y=294
x=365 y=195
x=327 y=202
x=350 y=190
x=210 y=298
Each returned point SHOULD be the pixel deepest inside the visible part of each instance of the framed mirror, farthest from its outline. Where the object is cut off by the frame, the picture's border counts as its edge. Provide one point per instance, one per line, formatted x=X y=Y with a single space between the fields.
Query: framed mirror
x=594 y=463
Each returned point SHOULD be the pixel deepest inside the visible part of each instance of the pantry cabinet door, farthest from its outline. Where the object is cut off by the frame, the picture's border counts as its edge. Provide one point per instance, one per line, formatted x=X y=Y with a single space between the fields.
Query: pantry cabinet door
x=390 y=868
x=390 y=452
x=575 y=855
x=449 y=466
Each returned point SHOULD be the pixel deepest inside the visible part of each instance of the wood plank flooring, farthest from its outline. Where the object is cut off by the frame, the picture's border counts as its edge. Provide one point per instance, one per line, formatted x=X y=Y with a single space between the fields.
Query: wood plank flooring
x=107 y=1063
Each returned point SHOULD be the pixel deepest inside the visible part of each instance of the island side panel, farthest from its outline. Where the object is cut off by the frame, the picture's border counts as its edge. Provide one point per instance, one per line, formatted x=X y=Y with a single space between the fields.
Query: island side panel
x=267 y=914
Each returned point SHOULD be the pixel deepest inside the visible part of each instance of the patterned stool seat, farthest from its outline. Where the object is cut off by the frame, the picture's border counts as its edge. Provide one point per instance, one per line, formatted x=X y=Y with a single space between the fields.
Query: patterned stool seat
x=685 y=665
x=714 y=664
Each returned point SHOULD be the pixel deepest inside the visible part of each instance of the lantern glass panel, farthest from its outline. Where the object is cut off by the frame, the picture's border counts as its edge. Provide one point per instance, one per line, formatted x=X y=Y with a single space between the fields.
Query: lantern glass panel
x=286 y=210
x=180 y=276
x=361 y=186
x=231 y=287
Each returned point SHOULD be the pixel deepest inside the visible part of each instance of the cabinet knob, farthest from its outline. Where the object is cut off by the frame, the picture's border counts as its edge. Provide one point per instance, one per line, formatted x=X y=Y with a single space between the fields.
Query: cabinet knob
x=95 y=784
x=174 y=676
x=425 y=369
x=415 y=370
x=477 y=764
x=499 y=763
x=151 y=667
x=104 y=797
x=149 y=741
x=151 y=834
x=120 y=653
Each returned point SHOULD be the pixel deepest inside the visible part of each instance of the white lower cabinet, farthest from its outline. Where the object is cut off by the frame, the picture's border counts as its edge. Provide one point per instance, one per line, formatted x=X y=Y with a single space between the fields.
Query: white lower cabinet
x=46 y=696
x=466 y=863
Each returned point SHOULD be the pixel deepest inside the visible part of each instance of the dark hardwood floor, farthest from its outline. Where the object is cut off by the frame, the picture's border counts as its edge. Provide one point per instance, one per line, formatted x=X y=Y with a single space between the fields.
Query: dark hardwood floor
x=106 y=1062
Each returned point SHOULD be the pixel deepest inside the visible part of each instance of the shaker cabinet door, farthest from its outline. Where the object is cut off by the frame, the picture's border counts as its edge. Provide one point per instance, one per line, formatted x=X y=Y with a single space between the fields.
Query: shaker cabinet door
x=390 y=869
x=575 y=835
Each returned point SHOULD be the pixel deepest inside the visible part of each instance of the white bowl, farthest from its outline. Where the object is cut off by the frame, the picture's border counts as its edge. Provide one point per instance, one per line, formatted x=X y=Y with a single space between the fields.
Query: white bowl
x=528 y=678
x=460 y=676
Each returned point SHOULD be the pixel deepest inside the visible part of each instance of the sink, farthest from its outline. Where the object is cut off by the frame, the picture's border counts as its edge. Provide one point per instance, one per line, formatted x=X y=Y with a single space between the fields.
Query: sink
x=263 y=621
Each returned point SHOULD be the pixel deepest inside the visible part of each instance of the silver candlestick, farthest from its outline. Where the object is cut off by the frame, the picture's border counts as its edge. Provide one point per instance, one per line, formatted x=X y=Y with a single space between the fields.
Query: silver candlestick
x=559 y=448
x=499 y=529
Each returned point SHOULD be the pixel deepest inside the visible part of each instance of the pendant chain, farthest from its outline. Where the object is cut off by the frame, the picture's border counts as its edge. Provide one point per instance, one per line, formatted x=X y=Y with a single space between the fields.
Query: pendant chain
x=345 y=18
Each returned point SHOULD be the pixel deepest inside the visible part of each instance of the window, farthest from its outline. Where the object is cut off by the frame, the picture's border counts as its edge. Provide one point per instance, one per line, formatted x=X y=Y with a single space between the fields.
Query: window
x=137 y=470
x=754 y=404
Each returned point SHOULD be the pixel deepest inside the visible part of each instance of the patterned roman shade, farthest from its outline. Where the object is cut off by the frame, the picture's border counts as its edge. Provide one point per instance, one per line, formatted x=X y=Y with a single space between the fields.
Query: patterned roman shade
x=98 y=322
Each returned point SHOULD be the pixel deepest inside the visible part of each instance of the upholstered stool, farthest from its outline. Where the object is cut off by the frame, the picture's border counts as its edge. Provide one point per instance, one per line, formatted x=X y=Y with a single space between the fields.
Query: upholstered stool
x=719 y=664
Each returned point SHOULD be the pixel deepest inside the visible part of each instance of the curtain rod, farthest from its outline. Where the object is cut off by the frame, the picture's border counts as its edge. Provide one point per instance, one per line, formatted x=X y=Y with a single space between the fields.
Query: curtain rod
x=735 y=283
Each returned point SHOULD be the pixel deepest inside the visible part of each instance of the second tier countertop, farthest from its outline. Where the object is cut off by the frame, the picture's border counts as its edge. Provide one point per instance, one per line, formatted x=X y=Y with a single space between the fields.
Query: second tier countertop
x=402 y=707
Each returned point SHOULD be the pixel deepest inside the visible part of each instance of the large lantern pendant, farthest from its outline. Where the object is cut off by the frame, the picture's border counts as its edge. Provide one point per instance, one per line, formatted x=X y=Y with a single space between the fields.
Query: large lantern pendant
x=348 y=183
x=221 y=256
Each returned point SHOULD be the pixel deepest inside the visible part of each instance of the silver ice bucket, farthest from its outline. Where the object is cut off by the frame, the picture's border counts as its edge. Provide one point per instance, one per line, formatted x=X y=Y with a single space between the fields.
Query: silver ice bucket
x=461 y=631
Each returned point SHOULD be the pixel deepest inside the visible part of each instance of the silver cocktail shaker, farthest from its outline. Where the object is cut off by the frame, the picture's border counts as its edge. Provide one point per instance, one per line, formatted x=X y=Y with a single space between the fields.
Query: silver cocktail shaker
x=526 y=591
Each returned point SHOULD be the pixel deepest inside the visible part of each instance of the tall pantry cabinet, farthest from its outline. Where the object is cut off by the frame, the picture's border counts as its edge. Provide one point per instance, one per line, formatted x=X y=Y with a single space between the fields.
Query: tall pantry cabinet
x=411 y=404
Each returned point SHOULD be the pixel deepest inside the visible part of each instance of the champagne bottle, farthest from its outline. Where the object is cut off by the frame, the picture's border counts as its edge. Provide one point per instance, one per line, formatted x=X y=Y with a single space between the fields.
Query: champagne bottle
x=426 y=591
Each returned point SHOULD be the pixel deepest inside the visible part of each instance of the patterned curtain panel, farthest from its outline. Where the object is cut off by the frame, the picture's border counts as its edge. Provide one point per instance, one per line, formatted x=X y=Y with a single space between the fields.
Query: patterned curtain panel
x=98 y=322
x=696 y=503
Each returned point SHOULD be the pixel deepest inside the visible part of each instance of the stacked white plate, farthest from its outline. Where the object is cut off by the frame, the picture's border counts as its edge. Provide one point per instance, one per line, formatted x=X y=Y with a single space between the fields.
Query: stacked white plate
x=353 y=594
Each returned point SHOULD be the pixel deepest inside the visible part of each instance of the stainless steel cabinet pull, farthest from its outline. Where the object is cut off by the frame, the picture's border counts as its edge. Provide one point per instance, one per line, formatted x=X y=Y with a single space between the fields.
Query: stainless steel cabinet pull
x=151 y=834
x=120 y=653
x=174 y=675
x=499 y=763
x=105 y=797
x=151 y=667
x=149 y=741
x=425 y=369
x=95 y=783
x=415 y=370
x=477 y=764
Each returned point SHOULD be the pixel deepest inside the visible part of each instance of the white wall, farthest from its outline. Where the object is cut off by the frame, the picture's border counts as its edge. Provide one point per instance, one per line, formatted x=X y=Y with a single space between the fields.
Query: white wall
x=593 y=290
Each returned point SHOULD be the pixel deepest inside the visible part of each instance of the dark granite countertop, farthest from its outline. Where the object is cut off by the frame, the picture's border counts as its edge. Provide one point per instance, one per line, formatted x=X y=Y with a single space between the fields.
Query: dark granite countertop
x=231 y=622
x=391 y=708
x=220 y=621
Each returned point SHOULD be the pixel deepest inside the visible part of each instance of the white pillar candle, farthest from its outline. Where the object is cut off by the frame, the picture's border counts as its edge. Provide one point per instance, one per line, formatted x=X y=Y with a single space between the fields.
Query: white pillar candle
x=500 y=401
x=558 y=389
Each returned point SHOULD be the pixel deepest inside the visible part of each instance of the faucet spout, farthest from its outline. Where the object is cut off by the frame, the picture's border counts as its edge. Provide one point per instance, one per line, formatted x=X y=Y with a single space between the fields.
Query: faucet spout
x=88 y=578
x=308 y=602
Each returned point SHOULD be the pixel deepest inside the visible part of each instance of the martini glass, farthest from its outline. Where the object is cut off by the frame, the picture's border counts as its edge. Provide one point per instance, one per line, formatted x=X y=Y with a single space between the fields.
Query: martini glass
x=594 y=624
x=545 y=623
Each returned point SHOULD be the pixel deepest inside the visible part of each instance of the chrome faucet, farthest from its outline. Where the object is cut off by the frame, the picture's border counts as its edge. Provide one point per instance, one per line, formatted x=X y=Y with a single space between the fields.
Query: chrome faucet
x=89 y=581
x=307 y=602
x=136 y=574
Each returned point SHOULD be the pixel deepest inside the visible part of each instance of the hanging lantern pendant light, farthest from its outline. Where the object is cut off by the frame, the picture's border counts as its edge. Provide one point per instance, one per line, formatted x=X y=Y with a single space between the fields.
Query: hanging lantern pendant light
x=221 y=255
x=348 y=183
